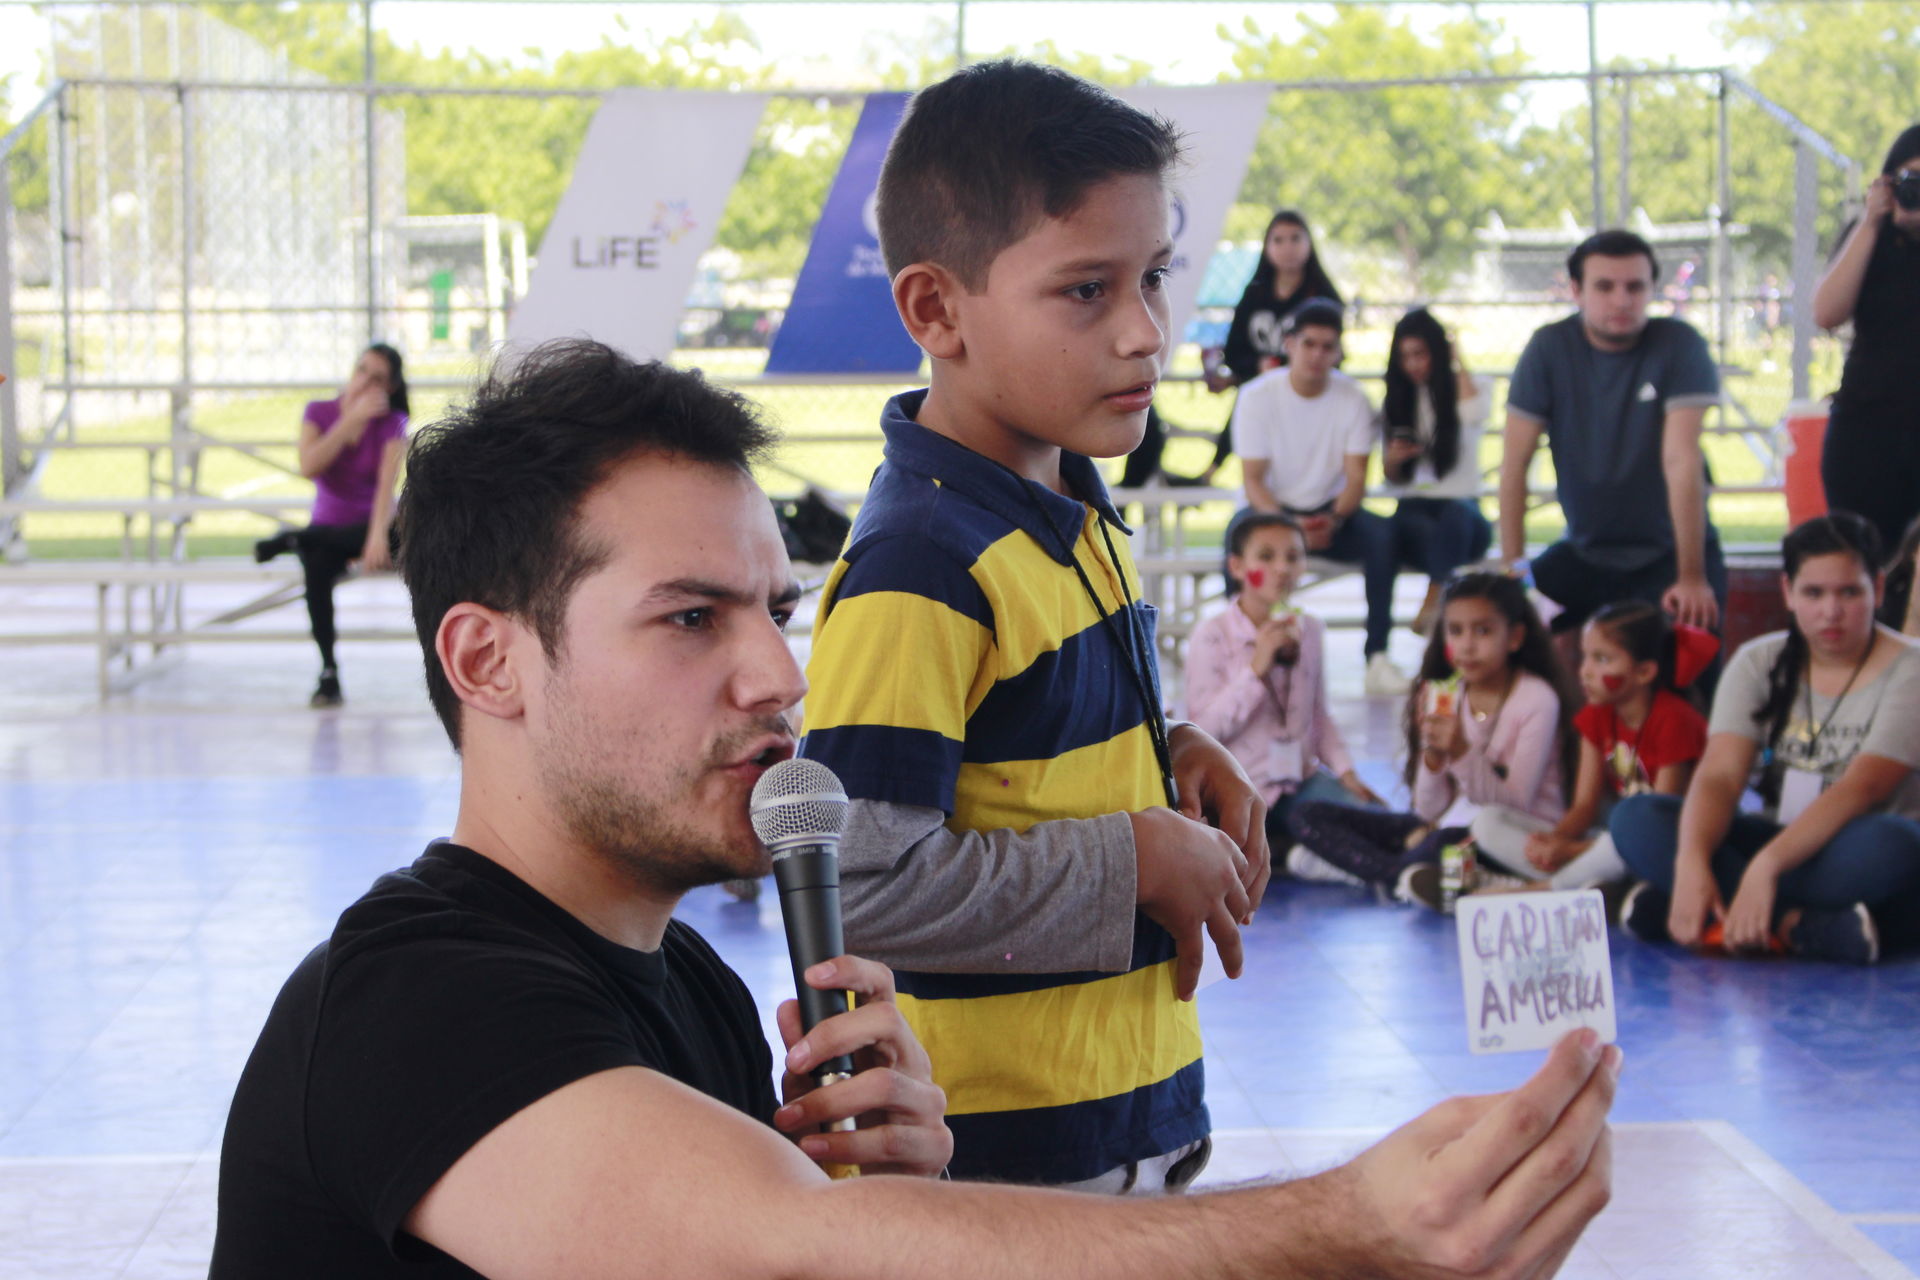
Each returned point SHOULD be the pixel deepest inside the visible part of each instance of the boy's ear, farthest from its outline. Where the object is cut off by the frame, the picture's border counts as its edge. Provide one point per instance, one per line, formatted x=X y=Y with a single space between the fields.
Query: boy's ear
x=925 y=294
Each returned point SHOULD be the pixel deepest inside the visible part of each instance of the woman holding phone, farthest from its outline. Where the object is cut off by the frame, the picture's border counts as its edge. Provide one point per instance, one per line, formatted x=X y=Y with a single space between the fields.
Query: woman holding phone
x=1431 y=423
x=351 y=448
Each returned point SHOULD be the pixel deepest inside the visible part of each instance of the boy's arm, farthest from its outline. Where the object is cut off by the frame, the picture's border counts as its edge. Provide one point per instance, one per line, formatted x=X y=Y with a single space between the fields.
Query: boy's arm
x=915 y=894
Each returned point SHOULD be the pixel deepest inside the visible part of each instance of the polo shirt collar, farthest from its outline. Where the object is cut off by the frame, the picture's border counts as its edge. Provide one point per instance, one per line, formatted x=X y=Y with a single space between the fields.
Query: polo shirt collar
x=982 y=480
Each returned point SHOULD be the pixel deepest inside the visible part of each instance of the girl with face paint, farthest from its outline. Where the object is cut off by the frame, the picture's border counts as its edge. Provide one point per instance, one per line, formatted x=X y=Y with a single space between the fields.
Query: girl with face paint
x=1502 y=738
x=1637 y=735
x=1256 y=681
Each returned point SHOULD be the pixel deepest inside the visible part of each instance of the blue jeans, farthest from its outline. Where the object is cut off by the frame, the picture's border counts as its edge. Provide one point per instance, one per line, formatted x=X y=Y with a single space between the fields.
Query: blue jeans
x=1873 y=859
x=1368 y=540
x=1438 y=535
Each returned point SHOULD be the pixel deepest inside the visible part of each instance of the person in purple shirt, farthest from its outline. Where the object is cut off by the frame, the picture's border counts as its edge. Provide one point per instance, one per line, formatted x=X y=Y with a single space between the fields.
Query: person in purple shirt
x=351 y=447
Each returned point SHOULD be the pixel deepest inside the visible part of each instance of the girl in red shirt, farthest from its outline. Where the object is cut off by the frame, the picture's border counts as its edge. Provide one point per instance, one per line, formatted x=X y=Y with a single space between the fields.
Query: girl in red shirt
x=1637 y=735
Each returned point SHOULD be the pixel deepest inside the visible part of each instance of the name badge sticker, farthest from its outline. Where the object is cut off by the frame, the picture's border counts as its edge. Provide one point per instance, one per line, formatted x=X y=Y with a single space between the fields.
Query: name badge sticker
x=1534 y=966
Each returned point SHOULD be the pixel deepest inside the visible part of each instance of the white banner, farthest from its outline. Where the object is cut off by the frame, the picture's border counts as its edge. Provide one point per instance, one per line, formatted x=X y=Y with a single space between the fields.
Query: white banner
x=1220 y=123
x=648 y=189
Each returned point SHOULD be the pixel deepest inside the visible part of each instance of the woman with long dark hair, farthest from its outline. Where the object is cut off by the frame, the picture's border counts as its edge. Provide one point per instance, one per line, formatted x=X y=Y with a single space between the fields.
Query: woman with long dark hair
x=1872 y=451
x=1288 y=274
x=1430 y=426
x=351 y=448
x=1829 y=710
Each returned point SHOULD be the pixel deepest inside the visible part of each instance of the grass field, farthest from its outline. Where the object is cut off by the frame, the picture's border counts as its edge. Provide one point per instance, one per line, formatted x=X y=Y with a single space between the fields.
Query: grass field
x=802 y=413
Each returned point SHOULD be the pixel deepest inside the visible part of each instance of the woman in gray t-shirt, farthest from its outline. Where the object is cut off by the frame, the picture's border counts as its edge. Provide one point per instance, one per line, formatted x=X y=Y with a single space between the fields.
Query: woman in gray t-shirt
x=1825 y=719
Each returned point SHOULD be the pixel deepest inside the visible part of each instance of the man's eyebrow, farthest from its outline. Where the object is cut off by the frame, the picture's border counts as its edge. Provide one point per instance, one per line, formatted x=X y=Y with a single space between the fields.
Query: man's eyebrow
x=697 y=589
x=683 y=589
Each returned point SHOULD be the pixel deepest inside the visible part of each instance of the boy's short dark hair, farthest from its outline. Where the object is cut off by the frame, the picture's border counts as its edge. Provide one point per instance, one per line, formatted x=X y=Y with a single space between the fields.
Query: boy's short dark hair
x=984 y=155
x=1616 y=242
x=490 y=509
x=1318 y=313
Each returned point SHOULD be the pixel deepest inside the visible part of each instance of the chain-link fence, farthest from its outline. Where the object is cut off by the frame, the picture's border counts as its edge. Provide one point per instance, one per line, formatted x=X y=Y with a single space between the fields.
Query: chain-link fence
x=194 y=250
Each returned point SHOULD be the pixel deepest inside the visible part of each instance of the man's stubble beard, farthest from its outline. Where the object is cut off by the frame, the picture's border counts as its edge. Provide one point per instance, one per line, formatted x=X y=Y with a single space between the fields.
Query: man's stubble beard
x=645 y=839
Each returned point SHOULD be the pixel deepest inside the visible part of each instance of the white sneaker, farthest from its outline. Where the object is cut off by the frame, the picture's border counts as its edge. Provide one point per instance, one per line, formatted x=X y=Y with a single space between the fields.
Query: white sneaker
x=1303 y=863
x=1384 y=680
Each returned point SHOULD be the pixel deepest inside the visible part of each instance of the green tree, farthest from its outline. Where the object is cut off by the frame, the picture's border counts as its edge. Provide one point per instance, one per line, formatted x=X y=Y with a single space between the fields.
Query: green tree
x=1414 y=168
x=514 y=155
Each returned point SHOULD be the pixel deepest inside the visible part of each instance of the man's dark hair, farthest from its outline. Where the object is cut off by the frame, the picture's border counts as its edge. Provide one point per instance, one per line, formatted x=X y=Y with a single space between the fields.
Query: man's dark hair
x=1320 y=313
x=490 y=509
x=986 y=154
x=1616 y=242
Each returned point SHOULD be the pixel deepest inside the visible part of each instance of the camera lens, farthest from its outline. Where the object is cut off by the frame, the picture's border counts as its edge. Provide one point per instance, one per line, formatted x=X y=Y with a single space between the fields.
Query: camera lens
x=1906 y=190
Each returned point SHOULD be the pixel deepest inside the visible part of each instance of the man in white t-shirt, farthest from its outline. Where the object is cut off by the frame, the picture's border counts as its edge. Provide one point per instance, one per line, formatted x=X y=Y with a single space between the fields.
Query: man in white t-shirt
x=1304 y=433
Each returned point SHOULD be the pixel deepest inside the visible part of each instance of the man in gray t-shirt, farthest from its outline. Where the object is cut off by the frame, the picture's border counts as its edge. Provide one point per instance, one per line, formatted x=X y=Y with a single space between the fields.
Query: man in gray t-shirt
x=1621 y=398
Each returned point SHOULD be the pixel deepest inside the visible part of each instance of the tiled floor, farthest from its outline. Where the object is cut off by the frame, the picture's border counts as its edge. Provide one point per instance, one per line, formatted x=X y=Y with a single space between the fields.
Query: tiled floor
x=165 y=860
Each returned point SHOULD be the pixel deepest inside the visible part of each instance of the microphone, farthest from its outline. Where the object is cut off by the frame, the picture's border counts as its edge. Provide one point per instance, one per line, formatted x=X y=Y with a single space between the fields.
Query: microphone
x=798 y=809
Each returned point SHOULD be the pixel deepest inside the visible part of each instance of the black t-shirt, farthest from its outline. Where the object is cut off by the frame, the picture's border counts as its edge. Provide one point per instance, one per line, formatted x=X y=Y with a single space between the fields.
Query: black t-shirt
x=449 y=997
x=1886 y=324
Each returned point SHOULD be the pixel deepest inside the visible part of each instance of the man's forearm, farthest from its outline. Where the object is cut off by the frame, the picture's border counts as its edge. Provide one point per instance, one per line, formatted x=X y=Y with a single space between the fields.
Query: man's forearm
x=1259 y=497
x=1515 y=458
x=888 y=1227
x=1687 y=506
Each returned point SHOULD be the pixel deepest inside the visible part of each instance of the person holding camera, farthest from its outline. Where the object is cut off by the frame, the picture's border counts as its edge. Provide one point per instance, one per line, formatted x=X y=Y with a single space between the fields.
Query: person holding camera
x=1872 y=450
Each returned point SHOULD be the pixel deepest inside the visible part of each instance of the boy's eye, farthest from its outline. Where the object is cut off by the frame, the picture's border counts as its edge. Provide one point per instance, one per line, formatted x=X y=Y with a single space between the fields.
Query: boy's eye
x=1088 y=292
x=1157 y=279
x=692 y=619
x=782 y=618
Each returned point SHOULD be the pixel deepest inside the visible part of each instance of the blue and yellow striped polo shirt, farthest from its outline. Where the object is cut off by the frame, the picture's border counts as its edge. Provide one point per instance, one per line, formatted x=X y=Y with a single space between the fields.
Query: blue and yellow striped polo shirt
x=959 y=664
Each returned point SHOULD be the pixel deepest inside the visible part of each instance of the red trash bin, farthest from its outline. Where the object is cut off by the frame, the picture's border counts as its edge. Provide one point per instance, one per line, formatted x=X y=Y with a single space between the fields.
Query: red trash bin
x=1806 y=433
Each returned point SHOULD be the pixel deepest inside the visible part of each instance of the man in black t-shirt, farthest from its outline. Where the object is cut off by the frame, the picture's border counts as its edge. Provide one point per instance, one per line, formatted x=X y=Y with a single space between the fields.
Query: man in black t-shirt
x=508 y=1060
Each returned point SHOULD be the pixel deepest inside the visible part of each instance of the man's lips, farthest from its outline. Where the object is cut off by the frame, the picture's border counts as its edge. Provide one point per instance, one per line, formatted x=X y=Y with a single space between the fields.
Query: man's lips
x=763 y=754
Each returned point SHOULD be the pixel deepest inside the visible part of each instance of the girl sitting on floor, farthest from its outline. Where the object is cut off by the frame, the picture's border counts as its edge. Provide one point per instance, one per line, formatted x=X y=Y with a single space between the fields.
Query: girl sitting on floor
x=1256 y=681
x=1637 y=735
x=1487 y=722
x=1830 y=709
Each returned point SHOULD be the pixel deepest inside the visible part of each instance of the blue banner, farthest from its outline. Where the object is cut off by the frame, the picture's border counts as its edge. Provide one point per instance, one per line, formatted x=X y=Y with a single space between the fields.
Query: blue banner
x=842 y=318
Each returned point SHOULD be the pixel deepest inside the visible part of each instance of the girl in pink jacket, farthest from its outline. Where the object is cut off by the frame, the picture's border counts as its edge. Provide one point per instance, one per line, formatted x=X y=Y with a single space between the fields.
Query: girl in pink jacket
x=1489 y=723
x=1256 y=681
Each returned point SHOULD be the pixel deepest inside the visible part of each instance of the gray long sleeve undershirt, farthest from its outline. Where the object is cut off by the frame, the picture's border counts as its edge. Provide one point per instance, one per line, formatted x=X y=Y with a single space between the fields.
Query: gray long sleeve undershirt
x=1056 y=898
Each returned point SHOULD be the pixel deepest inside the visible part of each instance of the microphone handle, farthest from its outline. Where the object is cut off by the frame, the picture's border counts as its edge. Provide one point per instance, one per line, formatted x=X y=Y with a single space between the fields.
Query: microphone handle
x=809 y=883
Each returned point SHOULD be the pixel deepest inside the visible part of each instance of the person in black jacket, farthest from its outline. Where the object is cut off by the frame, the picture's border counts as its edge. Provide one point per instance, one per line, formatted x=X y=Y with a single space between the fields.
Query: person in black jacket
x=1872 y=450
x=1289 y=273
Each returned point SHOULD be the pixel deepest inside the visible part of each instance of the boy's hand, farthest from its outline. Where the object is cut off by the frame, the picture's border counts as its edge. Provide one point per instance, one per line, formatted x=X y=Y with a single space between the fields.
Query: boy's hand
x=899 y=1109
x=1492 y=1186
x=1214 y=789
x=1190 y=878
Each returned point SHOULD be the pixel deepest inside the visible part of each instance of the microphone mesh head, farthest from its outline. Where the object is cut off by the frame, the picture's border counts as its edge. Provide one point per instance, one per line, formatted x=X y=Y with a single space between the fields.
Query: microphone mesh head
x=798 y=802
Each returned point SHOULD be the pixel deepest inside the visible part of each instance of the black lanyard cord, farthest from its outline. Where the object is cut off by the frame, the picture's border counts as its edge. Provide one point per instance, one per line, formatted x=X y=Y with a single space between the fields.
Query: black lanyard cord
x=1130 y=645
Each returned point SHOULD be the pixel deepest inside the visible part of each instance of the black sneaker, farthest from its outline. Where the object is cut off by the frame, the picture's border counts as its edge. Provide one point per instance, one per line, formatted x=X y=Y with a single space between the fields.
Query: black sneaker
x=1845 y=937
x=327 y=692
x=267 y=548
x=1643 y=913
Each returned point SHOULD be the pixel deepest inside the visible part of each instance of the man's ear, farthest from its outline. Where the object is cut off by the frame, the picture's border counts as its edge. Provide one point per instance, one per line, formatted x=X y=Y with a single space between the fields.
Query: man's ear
x=475 y=646
x=926 y=295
